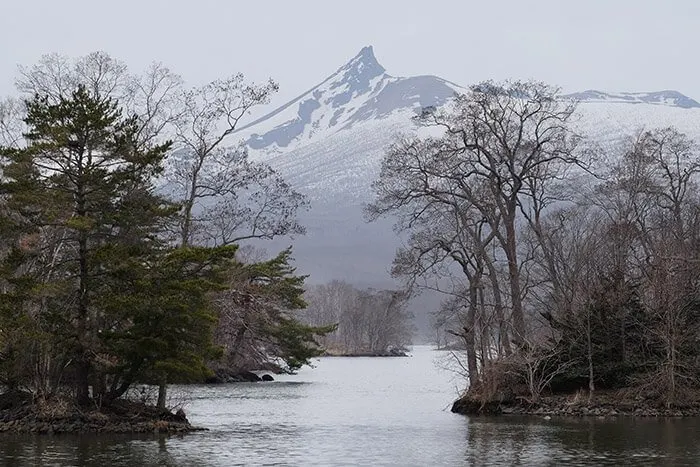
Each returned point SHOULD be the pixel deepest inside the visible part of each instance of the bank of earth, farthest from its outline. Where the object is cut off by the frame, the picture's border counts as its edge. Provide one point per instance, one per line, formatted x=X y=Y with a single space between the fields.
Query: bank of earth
x=605 y=403
x=20 y=413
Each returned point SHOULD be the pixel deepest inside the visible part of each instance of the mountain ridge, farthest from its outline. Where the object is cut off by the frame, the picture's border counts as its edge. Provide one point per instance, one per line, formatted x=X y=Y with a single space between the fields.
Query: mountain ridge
x=666 y=97
x=362 y=90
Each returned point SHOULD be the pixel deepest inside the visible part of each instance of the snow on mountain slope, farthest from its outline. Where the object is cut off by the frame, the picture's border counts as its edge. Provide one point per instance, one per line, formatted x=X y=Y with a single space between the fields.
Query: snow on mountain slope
x=345 y=163
x=341 y=164
x=358 y=92
x=606 y=122
x=329 y=143
x=336 y=173
x=667 y=98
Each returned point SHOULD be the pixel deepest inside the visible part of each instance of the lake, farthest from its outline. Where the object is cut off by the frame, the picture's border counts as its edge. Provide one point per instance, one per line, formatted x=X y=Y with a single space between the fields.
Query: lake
x=364 y=411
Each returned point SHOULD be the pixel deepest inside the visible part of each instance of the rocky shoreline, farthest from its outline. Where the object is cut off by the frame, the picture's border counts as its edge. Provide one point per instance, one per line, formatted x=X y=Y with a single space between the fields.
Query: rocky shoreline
x=389 y=353
x=223 y=376
x=604 y=405
x=19 y=414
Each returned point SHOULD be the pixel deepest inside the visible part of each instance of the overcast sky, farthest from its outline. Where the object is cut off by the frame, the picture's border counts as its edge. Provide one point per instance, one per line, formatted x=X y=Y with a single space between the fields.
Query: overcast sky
x=614 y=45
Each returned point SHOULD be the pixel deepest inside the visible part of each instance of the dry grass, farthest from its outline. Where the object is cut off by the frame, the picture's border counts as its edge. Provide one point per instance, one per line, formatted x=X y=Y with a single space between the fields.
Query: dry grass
x=53 y=408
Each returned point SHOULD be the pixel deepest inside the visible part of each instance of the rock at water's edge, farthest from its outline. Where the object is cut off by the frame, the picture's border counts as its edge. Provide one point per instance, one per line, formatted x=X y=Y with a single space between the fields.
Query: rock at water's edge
x=60 y=416
x=468 y=406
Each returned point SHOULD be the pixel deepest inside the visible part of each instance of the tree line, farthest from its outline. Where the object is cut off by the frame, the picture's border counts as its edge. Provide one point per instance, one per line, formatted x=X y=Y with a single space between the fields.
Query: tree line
x=122 y=209
x=369 y=321
x=565 y=264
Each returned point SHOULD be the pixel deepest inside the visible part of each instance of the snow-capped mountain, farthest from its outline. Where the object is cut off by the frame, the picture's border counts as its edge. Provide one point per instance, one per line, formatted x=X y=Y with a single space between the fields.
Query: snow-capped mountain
x=358 y=92
x=329 y=143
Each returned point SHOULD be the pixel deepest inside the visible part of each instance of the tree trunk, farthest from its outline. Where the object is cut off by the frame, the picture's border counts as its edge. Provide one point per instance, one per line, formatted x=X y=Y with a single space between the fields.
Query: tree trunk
x=514 y=279
x=162 y=394
x=191 y=198
x=671 y=356
x=589 y=345
x=186 y=224
x=82 y=387
x=503 y=334
x=472 y=366
x=82 y=374
x=99 y=387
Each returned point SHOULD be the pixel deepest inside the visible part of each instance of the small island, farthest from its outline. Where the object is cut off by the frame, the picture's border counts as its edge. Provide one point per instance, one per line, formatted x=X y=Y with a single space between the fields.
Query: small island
x=19 y=413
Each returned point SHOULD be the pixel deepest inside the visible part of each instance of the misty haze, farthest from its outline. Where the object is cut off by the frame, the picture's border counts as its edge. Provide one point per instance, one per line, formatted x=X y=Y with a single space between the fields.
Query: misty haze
x=389 y=234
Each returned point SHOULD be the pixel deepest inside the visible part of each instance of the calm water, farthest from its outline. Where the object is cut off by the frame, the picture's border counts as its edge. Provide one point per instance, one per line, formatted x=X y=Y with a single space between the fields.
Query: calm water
x=364 y=411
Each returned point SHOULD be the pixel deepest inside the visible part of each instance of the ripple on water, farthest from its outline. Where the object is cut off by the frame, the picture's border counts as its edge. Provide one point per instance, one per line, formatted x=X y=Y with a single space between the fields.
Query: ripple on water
x=364 y=411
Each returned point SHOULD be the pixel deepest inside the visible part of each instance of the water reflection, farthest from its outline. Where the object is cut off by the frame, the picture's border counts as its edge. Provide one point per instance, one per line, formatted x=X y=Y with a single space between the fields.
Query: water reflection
x=582 y=441
x=88 y=450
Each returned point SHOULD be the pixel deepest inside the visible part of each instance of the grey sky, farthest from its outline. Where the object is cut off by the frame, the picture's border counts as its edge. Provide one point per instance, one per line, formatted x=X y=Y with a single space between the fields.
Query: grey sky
x=613 y=45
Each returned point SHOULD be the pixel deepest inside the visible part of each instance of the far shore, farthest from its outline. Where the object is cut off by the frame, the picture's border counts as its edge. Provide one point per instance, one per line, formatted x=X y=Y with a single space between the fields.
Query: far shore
x=391 y=353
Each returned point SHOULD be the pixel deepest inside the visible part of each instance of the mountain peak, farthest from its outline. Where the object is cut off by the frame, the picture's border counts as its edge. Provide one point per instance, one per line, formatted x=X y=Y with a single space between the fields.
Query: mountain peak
x=357 y=92
x=361 y=69
x=366 y=57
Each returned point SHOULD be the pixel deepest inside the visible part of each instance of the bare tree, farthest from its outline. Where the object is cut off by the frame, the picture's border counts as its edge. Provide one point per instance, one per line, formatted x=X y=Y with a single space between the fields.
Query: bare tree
x=369 y=321
x=500 y=144
x=331 y=303
x=243 y=200
x=11 y=124
x=150 y=96
x=573 y=259
x=669 y=266
x=538 y=365
x=153 y=98
x=209 y=179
